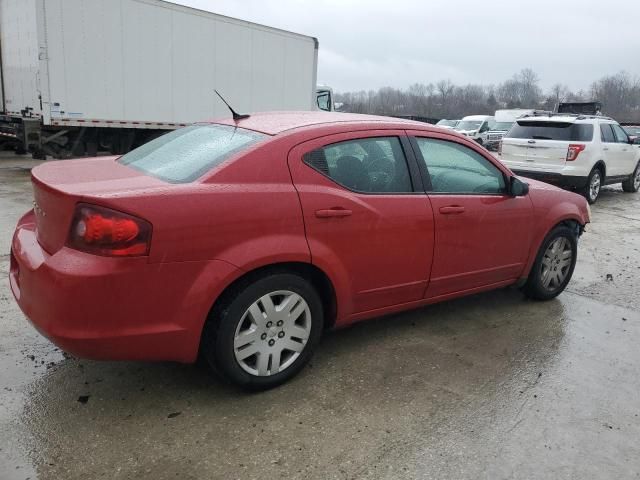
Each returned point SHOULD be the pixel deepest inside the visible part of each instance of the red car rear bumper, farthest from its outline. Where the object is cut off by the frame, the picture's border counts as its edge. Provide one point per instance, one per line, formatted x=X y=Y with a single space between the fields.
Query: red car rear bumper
x=113 y=308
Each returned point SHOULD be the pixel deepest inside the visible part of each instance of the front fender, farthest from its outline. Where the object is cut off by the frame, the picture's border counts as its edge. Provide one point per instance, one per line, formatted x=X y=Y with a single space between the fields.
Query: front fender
x=551 y=210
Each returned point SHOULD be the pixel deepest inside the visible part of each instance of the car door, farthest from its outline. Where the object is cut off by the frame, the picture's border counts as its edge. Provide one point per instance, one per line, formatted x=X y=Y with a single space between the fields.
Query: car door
x=367 y=218
x=613 y=153
x=482 y=234
x=628 y=154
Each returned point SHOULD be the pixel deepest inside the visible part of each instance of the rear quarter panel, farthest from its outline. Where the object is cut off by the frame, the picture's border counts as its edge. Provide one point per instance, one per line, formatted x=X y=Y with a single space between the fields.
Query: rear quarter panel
x=247 y=214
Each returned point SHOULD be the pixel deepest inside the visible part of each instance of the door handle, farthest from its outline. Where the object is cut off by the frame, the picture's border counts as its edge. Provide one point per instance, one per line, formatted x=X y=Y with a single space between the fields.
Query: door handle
x=606 y=148
x=333 y=212
x=452 y=209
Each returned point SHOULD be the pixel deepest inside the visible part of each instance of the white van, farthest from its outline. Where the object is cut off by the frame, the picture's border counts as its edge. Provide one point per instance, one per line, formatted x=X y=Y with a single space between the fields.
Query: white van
x=476 y=127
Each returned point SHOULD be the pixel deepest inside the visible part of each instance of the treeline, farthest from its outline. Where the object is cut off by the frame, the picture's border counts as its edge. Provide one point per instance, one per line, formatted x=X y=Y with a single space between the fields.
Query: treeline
x=619 y=94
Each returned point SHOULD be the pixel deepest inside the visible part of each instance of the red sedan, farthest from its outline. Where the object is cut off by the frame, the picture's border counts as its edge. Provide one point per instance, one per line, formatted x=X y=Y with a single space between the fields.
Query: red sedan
x=243 y=241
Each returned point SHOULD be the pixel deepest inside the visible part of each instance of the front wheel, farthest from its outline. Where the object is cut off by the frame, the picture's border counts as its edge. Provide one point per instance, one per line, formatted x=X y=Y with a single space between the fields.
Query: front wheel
x=632 y=184
x=264 y=334
x=553 y=266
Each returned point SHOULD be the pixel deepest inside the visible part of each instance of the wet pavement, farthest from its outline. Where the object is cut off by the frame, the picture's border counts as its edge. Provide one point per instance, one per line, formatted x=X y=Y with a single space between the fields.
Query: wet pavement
x=491 y=386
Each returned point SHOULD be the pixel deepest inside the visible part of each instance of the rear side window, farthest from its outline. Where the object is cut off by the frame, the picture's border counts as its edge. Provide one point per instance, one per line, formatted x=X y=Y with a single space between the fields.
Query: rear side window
x=568 y=132
x=188 y=153
x=621 y=135
x=607 y=133
x=369 y=165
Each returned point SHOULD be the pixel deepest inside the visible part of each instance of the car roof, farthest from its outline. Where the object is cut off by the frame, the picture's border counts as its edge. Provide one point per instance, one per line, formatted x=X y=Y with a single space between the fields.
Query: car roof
x=547 y=119
x=477 y=117
x=273 y=123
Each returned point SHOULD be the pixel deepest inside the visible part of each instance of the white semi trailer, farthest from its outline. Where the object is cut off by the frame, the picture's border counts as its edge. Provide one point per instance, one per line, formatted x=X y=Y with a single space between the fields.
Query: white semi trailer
x=84 y=76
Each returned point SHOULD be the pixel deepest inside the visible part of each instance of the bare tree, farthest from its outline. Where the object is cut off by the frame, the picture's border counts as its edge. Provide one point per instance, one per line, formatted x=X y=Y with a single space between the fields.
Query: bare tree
x=620 y=95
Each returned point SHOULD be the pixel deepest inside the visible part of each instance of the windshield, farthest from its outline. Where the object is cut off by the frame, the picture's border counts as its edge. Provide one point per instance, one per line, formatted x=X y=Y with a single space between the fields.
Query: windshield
x=634 y=131
x=469 y=125
x=447 y=123
x=185 y=154
x=502 y=126
x=563 y=131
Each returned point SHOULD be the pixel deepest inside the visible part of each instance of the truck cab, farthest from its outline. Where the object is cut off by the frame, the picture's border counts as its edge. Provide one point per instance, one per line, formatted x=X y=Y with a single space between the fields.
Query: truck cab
x=324 y=98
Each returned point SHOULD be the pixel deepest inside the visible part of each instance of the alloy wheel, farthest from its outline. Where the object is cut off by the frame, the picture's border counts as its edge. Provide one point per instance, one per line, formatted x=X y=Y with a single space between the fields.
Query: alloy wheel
x=556 y=263
x=272 y=333
x=594 y=185
x=636 y=179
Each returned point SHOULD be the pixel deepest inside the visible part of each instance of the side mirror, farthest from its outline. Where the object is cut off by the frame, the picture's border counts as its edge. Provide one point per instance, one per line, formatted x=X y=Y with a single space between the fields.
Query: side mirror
x=517 y=188
x=633 y=140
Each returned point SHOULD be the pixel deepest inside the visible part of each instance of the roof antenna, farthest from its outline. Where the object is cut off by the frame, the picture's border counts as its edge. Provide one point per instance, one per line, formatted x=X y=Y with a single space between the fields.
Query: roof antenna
x=236 y=115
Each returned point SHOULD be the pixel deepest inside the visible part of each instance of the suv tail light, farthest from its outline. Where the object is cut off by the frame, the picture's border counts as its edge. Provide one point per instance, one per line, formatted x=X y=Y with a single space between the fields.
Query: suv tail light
x=574 y=150
x=107 y=232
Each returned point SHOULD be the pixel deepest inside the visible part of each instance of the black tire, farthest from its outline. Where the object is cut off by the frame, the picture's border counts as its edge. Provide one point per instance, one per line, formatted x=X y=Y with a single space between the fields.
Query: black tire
x=632 y=184
x=588 y=192
x=217 y=345
x=479 y=140
x=534 y=288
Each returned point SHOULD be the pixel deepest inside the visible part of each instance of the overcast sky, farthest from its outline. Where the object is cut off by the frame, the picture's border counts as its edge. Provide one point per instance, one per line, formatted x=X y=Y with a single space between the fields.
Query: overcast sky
x=370 y=44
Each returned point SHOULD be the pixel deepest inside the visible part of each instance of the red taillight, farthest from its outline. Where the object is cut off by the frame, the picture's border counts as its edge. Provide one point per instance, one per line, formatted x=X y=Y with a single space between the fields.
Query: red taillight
x=107 y=232
x=574 y=150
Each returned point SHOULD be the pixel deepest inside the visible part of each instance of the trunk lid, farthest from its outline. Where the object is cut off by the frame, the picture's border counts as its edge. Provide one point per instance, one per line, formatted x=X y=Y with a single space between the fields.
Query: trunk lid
x=545 y=155
x=59 y=186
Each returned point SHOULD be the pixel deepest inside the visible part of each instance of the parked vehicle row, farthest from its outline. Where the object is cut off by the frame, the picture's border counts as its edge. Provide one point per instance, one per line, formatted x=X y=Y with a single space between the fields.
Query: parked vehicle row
x=165 y=254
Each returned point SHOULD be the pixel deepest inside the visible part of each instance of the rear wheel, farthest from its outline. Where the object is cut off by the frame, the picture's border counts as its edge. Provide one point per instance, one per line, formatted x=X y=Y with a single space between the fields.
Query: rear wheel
x=264 y=333
x=594 y=184
x=553 y=266
x=632 y=184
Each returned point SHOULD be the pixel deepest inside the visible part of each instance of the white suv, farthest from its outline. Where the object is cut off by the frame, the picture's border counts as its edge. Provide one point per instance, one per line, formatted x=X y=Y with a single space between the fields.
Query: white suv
x=579 y=152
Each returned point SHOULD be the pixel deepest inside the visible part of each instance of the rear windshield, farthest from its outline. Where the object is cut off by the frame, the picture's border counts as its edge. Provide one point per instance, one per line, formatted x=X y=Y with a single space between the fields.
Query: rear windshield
x=570 y=132
x=188 y=153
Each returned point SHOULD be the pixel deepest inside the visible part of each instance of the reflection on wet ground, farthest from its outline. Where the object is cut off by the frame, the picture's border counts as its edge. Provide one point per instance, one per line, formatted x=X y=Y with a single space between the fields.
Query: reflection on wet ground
x=491 y=386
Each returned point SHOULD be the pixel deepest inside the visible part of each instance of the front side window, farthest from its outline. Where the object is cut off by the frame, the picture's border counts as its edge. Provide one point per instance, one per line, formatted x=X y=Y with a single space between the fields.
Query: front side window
x=186 y=154
x=455 y=168
x=621 y=135
x=368 y=165
x=607 y=133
